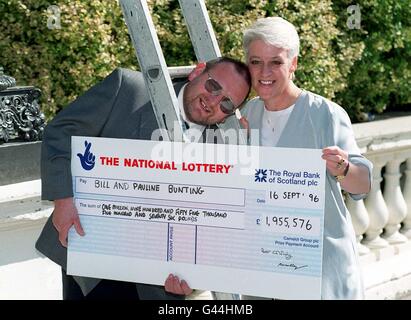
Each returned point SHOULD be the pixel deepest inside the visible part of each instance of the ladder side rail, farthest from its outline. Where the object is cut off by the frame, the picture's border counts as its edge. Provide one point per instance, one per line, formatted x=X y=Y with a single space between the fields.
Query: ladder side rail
x=206 y=48
x=200 y=29
x=153 y=66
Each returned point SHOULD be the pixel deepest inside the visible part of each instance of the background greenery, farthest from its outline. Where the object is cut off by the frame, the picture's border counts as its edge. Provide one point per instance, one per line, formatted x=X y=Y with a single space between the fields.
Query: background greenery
x=364 y=70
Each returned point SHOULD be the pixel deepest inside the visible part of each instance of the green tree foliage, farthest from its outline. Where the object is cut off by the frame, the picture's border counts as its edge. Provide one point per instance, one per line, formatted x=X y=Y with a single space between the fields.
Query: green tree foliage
x=381 y=78
x=363 y=69
x=326 y=57
x=63 y=62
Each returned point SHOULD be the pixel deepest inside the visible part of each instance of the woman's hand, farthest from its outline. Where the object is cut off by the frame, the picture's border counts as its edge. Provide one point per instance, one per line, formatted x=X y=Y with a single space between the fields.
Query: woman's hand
x=353 y=178
x=336 y=160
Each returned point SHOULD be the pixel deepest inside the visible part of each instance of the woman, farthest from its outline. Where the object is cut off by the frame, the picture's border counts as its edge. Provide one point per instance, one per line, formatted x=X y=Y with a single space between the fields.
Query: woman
x=288 y=116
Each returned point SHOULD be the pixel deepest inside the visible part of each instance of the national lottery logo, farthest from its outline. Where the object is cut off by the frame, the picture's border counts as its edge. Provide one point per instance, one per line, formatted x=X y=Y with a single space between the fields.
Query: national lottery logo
x=260 y=175
x=88 y=159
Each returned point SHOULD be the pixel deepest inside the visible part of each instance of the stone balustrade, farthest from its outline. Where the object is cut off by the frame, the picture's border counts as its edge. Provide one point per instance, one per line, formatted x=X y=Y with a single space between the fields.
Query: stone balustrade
x=382 y=221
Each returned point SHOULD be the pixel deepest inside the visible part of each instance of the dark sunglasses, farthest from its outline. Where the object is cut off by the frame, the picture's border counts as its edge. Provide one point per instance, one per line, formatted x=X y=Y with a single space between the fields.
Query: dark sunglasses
x=212 y=86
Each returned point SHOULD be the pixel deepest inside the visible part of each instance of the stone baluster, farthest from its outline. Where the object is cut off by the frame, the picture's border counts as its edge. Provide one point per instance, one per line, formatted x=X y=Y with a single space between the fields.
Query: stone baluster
x=360 y=221
x=406 y=229
x=376 y=208
x=395 y=202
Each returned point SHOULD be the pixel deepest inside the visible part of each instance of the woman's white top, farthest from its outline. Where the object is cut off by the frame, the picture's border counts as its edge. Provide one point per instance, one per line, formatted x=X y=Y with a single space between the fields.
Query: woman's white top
x=273 y=125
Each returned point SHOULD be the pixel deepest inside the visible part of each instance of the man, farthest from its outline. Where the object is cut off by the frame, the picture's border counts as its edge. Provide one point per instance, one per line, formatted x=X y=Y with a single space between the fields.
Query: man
x=120 y=107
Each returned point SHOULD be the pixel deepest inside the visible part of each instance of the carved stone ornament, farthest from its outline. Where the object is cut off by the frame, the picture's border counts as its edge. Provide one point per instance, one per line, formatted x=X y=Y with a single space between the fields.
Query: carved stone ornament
x=6 y=81
x=20 y=115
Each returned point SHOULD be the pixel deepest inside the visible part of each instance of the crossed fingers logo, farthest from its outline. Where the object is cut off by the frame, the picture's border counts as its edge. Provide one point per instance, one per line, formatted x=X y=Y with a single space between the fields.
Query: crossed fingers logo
x=87 y=160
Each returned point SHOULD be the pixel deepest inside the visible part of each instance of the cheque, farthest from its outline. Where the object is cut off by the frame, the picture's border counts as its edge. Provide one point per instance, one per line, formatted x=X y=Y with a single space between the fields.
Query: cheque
x=225 y=218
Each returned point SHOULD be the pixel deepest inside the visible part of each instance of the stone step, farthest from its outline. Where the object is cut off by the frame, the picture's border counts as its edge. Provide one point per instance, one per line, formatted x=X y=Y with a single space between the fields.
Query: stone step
x=21 y=205
x=21 y=190
x=24 y=206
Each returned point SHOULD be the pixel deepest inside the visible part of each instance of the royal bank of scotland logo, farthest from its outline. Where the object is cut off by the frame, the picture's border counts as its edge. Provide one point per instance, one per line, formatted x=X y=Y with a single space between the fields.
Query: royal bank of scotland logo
x=260 y=175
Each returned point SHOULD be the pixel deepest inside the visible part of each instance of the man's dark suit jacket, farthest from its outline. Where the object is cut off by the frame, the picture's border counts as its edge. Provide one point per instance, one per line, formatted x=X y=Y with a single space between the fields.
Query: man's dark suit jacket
x=118 y=107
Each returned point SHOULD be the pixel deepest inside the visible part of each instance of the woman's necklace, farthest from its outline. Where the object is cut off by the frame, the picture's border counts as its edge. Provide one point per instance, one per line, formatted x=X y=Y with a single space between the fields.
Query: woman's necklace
x=270 y=124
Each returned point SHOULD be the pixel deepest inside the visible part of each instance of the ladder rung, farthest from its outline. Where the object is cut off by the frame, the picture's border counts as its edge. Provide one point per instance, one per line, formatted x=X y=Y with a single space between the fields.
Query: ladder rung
x=180 y=72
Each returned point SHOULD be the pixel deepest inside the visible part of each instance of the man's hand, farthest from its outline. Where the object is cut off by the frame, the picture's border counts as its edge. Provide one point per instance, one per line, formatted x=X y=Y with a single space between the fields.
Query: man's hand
x=64 y=216
x=174 y=285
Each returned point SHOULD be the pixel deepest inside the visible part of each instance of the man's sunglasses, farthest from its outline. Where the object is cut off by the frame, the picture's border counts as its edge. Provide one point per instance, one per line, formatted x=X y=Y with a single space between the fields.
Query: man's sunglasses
x=212 y=86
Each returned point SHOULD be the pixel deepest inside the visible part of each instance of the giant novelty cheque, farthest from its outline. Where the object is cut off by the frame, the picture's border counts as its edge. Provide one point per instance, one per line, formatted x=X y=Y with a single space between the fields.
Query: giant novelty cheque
x=227 y=218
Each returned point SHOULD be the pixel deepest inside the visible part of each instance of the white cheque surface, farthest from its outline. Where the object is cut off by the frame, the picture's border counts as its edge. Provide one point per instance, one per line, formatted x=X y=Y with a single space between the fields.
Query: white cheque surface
x=226 y=218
